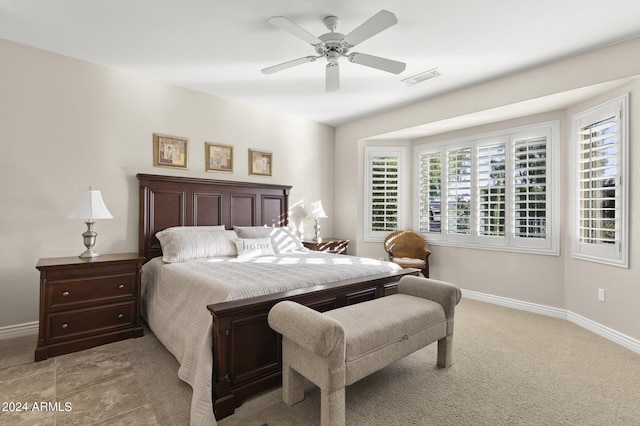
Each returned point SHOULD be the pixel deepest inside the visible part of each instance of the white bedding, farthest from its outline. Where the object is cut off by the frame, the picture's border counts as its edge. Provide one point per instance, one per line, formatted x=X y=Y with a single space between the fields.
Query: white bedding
x=175 y=298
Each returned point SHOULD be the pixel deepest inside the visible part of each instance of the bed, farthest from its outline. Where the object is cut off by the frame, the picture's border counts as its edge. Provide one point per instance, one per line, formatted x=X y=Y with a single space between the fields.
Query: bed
x=219 y=332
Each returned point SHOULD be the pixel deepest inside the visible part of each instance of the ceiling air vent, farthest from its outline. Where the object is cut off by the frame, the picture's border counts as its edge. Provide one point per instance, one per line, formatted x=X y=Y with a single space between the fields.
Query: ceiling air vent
x=426 y=75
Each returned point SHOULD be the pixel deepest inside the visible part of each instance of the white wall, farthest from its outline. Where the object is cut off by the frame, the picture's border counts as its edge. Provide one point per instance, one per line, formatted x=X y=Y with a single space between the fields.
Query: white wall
x=555 y=281
x=66 y=125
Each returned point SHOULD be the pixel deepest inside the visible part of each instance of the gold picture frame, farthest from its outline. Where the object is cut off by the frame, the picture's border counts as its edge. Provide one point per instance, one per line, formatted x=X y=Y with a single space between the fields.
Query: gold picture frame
x=170 y=151
x=218 y=157
x=260 y=162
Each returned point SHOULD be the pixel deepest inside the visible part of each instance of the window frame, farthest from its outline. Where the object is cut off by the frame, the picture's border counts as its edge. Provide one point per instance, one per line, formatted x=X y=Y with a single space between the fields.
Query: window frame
x=508 y=242
x=618 y=253
x=371 y=152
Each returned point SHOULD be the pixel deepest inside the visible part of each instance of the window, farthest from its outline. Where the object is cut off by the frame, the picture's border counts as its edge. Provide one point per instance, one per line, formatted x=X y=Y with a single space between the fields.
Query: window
x=430 y=192
x=383 y=190
x=601 y=183
x=459 y=192
x=497 y=190
x=530 y=190
x=491 y=192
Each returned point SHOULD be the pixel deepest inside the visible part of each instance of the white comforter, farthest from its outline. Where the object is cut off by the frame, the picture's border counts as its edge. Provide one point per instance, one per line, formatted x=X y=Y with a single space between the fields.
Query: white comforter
x=175 y=298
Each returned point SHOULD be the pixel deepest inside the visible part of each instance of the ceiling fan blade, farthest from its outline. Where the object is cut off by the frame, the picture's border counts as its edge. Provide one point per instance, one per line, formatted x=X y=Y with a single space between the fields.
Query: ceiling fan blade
x=288 y=64
x=377 y=62
x=285 y=24
x=377 y=23
x=332 y=82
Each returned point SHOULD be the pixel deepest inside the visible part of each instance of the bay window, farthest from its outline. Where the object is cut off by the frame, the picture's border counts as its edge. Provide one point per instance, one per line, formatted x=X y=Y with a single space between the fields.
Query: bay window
x=490 y=191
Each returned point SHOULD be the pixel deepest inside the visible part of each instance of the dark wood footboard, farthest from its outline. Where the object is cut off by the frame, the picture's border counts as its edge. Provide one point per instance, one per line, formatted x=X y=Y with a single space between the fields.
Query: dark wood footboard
x=247 y=353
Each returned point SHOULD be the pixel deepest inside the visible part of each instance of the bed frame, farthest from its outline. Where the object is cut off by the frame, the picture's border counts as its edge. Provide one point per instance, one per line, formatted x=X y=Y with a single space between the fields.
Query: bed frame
x=246 y=352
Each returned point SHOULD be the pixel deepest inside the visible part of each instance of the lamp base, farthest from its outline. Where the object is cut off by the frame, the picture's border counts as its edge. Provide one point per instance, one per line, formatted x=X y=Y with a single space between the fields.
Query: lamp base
x=89 y=238
x=89 y=253
x=316 y=238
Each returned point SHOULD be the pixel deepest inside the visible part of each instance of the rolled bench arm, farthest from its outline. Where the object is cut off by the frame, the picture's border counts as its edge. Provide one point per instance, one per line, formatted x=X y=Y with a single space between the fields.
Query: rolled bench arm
x=446 y=294
x=308 y=328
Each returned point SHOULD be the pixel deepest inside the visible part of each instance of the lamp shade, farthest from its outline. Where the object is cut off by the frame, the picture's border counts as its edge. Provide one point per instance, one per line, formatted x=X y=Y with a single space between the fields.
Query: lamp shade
x=90 y=206
x=316 y=211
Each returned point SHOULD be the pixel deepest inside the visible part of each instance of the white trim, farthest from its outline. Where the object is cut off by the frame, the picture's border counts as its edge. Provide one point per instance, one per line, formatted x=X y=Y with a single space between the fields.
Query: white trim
x=18 y=330
x=604 y=331
x=597 y=328
x=516 y=304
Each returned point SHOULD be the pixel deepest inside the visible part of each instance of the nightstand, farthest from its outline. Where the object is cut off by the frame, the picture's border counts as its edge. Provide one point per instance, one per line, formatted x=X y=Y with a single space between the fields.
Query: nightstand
x=88 y=302
x=329 y=245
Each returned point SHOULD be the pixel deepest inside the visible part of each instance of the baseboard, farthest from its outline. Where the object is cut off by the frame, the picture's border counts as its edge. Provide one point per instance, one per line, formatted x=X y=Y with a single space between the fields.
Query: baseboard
x=19 y=330
x=597 y=328
x=516 y=304
x=606 y=332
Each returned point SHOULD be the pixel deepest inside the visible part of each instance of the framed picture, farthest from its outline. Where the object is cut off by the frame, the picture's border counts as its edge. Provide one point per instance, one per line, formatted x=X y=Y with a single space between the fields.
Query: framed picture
x=260 y=162
x=170 y=151
x=218 y=158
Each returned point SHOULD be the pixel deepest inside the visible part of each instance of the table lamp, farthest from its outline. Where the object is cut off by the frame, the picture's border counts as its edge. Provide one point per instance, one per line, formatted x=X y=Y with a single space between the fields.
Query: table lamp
x=90 y=206
x=316 y=212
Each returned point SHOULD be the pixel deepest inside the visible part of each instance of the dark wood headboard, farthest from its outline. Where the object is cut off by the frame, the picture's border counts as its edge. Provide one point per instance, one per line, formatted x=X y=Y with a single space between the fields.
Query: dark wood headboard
x=167 y=201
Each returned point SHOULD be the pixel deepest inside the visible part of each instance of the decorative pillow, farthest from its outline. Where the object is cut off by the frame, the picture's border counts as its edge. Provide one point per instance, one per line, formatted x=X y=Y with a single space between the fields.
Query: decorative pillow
x=283 y=240
x=182 y=243
x=254 y=247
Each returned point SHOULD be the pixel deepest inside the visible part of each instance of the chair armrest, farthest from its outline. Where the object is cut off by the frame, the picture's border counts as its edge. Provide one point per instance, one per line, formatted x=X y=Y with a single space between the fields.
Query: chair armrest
x=446 y=294
x=308 y=328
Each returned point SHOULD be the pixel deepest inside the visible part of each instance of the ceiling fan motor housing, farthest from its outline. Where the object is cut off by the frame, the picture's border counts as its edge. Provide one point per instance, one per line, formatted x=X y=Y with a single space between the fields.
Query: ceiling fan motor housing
x=332 y=42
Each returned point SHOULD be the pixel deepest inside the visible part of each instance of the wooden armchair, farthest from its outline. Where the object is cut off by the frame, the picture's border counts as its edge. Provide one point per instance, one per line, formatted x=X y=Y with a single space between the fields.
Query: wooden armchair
x=409 y=250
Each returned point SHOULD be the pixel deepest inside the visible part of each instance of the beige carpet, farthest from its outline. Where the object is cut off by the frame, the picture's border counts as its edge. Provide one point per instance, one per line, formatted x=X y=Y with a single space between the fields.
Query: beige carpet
x=510 y=368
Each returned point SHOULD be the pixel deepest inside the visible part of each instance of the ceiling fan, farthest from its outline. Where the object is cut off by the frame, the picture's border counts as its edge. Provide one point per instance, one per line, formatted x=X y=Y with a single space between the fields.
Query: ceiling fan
x=333 y=45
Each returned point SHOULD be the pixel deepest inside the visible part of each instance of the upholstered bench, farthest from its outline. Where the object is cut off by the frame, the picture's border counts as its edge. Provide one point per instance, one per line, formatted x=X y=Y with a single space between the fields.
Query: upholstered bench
x=337 y=348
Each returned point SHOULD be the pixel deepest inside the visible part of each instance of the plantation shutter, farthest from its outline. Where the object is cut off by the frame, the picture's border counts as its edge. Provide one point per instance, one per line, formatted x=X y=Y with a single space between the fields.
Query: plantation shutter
x=491 y=181
x=601 y=183
x=382 y=192
x=598 y=183
x=459 y=191
x=430 y=192
x=530 y=188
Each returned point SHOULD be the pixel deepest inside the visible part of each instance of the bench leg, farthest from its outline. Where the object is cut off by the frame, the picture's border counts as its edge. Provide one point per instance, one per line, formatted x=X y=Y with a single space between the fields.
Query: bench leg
x=332 y=407
x=445 y=352
x=292 y=385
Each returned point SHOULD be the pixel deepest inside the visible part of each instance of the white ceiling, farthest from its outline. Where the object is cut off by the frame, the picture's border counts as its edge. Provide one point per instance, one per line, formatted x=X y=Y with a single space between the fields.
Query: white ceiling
x=218 y=47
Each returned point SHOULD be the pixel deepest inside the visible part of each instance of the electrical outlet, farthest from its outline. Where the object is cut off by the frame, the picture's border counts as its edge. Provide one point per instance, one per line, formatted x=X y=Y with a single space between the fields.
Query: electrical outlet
x=601 y=294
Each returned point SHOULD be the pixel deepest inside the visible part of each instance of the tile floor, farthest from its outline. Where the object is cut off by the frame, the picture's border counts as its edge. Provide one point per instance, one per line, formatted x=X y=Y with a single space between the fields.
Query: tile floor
x=94 y=387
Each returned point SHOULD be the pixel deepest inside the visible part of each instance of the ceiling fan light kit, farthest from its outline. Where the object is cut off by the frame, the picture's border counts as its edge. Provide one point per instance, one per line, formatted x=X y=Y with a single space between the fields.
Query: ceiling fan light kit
x=333 y=45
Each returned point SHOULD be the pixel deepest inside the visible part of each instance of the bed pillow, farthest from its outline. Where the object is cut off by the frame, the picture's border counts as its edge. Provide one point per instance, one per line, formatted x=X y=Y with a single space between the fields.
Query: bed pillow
x=182 y=243
x=249 y=248
x=283 y=240
x=252 y=231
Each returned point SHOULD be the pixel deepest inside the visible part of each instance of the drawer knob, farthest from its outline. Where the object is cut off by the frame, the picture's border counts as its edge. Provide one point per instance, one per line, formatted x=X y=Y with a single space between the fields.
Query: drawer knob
x=120 y=315
x=65 y=325
x=65 y=293
x=121 y=286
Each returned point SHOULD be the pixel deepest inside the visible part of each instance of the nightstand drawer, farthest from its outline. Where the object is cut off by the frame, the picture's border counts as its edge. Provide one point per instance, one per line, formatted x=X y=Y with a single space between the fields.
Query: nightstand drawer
x=74 y=324
x=66 y=293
